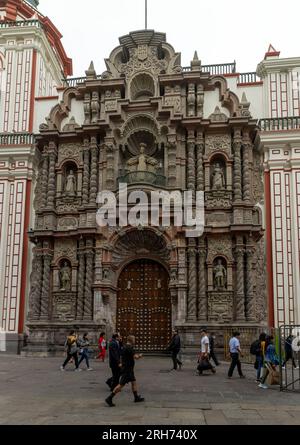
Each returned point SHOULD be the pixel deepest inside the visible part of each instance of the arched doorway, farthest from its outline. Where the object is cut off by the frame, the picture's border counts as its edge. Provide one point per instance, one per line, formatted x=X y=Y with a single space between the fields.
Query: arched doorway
x=144 y=305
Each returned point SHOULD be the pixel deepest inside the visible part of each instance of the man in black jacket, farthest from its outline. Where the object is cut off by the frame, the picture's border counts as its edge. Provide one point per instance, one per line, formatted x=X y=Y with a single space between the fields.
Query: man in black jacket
x=114 y=361
x=174 y=347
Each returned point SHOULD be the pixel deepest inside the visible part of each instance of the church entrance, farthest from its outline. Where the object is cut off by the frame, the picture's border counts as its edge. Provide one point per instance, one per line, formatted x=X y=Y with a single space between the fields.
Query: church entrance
x=144 y=305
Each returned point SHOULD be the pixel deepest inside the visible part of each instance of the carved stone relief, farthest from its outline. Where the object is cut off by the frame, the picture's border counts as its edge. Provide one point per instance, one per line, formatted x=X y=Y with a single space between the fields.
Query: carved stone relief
x=217 y=143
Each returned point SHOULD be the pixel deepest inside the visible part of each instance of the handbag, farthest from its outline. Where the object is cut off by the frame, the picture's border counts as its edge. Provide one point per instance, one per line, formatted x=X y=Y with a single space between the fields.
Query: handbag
x=204 y=364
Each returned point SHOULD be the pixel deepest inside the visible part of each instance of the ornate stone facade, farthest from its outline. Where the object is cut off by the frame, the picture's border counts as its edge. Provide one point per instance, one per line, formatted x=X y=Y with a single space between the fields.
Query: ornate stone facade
x=145 y=97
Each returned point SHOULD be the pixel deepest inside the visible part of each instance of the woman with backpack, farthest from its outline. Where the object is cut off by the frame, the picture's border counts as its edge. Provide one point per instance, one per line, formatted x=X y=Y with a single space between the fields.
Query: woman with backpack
x=71 y=345
x=84 y=348
x=102 y=347
x=258 y=349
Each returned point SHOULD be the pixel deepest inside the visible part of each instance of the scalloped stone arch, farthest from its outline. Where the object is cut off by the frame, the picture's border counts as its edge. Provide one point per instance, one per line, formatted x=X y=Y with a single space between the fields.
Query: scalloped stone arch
x=140 y=122
x=62 y=110
x=228 y=99
x=142 y=86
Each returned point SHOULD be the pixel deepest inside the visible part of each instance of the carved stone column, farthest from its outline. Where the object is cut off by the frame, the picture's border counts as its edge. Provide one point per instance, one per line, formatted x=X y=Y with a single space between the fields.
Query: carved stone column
x=237 y=182
x=200 y=152
x=192 y=292
x=95 y=107
x=88 y=293
x=202 y=300
x=247 y=148
x=87 y=108
x=191 y=100
x=94 y=171
x=110 y=171
x=172 y=167
x=45 y=173
x=240 y=291
x=191 y=179
x=45 y=298
x=36 y=287
x=80 y=287
x=200 y=100
x=250 y=300
x=51 y=178
x=86 y=172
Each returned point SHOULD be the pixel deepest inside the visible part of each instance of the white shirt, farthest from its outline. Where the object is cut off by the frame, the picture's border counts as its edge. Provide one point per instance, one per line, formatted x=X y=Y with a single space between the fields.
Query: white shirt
x=234 y=344
x=204 y=342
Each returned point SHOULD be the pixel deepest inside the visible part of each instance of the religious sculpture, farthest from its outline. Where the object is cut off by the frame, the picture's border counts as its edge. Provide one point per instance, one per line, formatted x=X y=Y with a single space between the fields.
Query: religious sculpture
x=65 y=277
x=220 y=275
x=218 y=179
x=70 y=188
x=143 y=162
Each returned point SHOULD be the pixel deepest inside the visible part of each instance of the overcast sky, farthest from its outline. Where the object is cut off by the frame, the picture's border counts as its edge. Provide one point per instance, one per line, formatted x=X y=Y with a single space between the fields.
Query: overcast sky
x=220 y=30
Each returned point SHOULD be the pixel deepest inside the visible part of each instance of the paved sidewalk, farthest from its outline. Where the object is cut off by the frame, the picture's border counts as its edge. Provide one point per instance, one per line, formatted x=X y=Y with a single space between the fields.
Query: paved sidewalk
x=35 y=392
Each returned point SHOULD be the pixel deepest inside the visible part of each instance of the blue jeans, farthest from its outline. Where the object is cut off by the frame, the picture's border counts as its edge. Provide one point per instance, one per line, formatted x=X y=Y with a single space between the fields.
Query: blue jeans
x=85 y=355
x=260 y=362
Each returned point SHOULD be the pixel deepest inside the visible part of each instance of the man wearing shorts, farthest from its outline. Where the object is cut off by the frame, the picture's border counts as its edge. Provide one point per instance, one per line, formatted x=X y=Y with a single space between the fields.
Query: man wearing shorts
x=127 y=372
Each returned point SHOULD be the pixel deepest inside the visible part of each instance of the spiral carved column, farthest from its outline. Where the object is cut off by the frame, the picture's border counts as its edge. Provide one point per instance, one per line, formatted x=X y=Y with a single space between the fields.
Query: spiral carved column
x=80 y=287
x=237 y=183
x=36 y=287
x=94 y=171
x=250 y=301
x=88 y=292
x=192 y=293
x=202 y=301
x=110 y=172
x=86 y=172
x=191 y=179
x=51 y=180
x=44 y=314
x=247 y=147
x=45 y=172
x=240 y=291
x=200 y=151
x=172 y=168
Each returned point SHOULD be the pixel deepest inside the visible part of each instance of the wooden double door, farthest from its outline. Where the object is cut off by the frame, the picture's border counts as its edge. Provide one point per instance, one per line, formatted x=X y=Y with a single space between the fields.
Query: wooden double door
x=144 y=305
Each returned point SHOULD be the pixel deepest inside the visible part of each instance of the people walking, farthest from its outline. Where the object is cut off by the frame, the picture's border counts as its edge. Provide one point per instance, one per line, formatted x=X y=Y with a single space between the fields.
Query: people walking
x=71 y=345
x=289 y=355
x=212 y=354
x=128 y=358
x=84 y=344
x=258 y=348
x=102 y=347
x=204 y=363
x=271 y=361
x=235 y=353
x=114 y=351
x=174 y=347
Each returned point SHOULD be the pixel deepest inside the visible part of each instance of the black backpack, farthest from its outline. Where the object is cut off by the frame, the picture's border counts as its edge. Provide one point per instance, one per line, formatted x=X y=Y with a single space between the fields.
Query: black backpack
x=255 y=348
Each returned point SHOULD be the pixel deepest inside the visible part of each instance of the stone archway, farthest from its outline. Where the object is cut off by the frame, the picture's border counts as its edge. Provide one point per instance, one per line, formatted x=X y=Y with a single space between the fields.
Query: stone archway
x=144 y=305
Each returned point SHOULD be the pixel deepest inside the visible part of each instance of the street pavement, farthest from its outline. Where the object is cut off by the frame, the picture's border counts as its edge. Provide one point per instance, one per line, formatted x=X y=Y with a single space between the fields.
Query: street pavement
x=33 y=391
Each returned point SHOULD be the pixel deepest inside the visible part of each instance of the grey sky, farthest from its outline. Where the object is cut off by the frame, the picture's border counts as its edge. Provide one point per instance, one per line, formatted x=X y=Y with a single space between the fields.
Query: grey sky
x=219 y=30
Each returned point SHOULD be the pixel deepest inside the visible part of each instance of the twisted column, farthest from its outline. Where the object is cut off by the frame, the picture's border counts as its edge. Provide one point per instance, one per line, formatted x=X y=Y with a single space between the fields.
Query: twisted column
x=45 y=172
x=88 y=295
x=250 y=301
x=191 y=179
x=202 y=301
x=51 y=180
x=44 y=314
x=110 y=181
x=237 y=183
x=240 y=292
x=172 y=168
x=80 y=286
x=200 y=151
x=94 y=171
x=36 y=287
x=86 y=172
x=247 y=191
x=192 y=293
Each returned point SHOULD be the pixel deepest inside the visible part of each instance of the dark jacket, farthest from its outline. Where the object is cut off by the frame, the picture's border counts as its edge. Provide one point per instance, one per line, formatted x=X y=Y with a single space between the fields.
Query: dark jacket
x=114 y=353
x=211 y=343
x=175 y=344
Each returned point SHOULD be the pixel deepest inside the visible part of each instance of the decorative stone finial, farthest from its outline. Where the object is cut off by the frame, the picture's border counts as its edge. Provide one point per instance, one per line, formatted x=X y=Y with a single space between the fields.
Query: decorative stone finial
x=245 y=105
x=196 y=63
x=91 y=73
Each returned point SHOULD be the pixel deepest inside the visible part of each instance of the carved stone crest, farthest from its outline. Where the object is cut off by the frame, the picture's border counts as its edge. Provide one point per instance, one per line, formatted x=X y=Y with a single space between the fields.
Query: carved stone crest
x=217 y=143
x=142 y=52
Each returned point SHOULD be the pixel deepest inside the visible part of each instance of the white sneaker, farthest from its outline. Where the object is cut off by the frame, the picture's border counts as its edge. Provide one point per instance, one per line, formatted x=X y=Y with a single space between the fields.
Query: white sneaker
x=283 y=367
x=62 y=368
x=90 y=369
x=77 y=370
x=261 y=385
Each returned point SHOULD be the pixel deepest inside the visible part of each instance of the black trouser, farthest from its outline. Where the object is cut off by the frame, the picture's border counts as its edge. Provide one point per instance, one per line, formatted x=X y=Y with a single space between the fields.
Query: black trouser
x=69 y=356
x=114 y=380
x=235 y=361
x=288 y=356
x=175 y=359
x=213 y=356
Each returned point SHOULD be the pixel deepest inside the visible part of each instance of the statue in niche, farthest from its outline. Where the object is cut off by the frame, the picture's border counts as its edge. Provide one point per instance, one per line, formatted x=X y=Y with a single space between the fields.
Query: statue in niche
x=143 y=162
x=129 y=285
x=218 y=178
x=220 y=275
x=65 y=277
x=70 y=188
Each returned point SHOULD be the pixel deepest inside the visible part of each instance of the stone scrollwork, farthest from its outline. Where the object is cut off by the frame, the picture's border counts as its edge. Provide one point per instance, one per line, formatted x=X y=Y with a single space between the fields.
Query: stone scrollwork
x=218 y=144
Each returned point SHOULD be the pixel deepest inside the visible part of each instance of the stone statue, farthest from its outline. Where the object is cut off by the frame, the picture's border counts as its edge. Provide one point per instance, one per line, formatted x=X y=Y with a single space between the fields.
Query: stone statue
x=218 y=179
x=220 y=275
x=65 y=277
x=143 y=162
x=142 y=165
x=70 y=188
